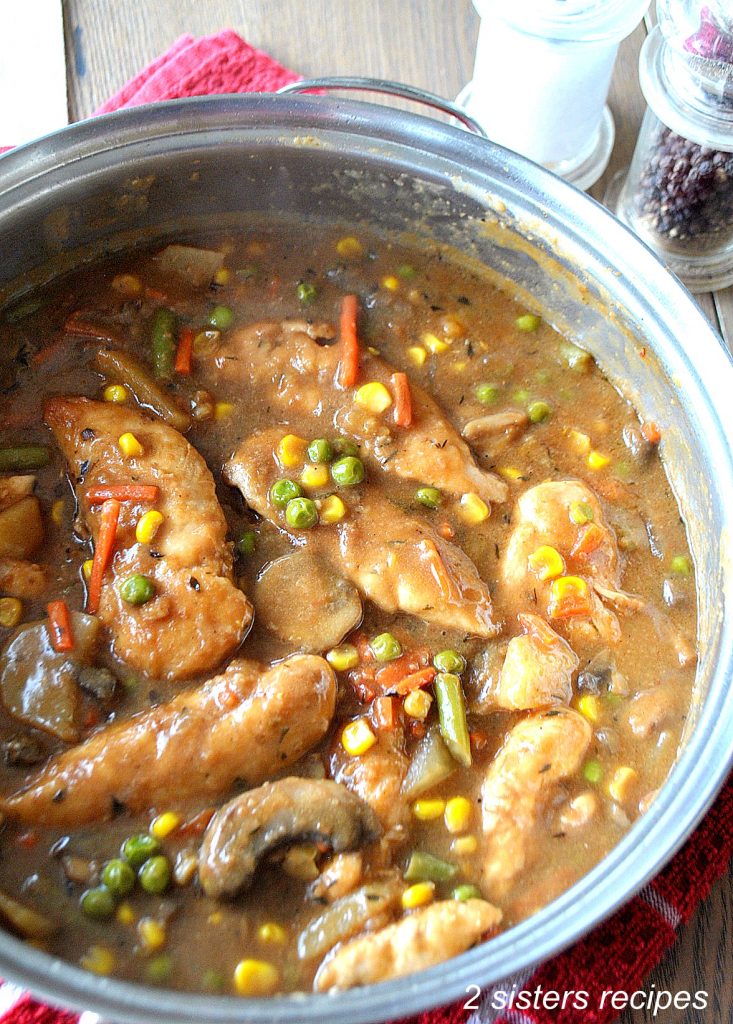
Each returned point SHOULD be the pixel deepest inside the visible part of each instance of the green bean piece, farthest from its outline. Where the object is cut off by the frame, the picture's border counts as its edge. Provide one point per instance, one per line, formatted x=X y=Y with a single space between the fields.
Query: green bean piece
x=344 y=446
x=247 y=543
x=23 y=457
x=137 y=589
x=301 y=513
x=527 y=323
x=307 y=292
x=348 y=471
x=385 y=647
x=283 y=491
x=450 y=661
x=22 y=310
x=155 y=875
x=452 y=716
x=137 y=849
x=163 y=343
x=119 y=877
x=487 y=394
x=430 y=497
x=122 y=367
x=98 y=903
x=160 y=968
x=538 y=411
x=467 y=892
x=320 y=450
x=424 y=867
x=221 y=317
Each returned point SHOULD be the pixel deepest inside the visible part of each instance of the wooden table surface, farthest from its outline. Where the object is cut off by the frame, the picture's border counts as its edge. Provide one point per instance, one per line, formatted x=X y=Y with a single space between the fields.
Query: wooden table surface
x=428 y=43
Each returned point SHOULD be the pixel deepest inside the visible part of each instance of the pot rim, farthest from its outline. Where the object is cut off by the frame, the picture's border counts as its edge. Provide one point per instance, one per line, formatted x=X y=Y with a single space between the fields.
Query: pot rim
x=704 y=763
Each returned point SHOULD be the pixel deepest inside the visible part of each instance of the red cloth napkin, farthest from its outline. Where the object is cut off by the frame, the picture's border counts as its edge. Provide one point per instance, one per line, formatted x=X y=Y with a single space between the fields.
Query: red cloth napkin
x=618 y=955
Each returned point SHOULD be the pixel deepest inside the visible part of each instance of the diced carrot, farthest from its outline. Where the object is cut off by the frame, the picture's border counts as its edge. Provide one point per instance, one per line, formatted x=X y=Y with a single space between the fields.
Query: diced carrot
x=184 y=352
x=363 y=647
x=146 y=493
x=569 y=597
x=59 y=619
x=590 y=538
x=385 y=713
x=197 y=825
x=446 y=531
x=390 y=674
x=402 y=400
x=27 y=840
x=416 y=728
x=347 y=372
x=415 y=680
x=155 y=294
x=651 y=433
x=103 y=551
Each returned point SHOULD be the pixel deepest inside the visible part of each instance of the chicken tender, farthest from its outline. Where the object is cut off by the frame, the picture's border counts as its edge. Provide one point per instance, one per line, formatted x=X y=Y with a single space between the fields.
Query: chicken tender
x=198 y=617
x=246 y=724
x=377 y=777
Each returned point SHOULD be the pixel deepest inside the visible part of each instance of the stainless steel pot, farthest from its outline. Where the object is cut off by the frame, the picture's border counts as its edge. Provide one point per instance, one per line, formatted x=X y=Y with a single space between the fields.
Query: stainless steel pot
x=161 y=170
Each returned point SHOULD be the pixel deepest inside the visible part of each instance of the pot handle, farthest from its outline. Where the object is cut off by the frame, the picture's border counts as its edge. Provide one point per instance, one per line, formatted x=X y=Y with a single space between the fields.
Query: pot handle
x=405 y=92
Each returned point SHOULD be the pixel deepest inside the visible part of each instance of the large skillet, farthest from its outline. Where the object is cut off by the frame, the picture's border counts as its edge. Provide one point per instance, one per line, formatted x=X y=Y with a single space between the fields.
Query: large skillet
x=156 y=171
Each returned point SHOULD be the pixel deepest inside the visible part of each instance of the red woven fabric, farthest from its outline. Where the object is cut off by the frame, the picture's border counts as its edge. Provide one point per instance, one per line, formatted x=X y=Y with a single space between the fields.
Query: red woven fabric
x=618 y=955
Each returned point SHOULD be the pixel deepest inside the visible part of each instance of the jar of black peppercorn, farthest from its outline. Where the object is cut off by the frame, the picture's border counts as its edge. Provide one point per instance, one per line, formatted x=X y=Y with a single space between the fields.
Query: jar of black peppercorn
x=678 y=194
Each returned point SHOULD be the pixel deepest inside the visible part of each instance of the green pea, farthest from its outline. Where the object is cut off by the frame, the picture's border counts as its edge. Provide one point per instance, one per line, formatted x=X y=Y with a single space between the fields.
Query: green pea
x=467 y=892
x=527 y=323
x=221 y=317
x=406 y=272
x=301 y=513
x=98 y=903
x=543 y=376
x=681 y=566
x=593 y=771
x=137 y=849
x=449 y=661
x=212 y=980
x=307 y=292
x=538 y=411
x=345 y=446
x=320 y=450
x=487 y=394
x=137 y=589
x=385 y=647
x=119 y=877
x=348 y=471
x=283 y=491
x=155 y=875
x=430 y=497
x=247 y=543
x=160 y=968
x=521 y=396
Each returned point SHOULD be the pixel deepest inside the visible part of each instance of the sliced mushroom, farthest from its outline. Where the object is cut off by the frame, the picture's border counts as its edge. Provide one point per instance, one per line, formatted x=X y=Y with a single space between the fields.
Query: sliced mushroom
x=305 y=603
x=512 y=421
x=275 y=815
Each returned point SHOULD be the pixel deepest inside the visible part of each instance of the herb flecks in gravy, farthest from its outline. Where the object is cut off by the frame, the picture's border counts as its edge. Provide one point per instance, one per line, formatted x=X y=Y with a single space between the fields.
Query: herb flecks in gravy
x=346 y=611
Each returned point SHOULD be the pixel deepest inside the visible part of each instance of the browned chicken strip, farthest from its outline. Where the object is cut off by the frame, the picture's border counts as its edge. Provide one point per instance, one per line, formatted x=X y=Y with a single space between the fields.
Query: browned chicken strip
x=395 y=560
x=198 y=616
x=539 y=752
x=377 y=777
x=298 y=374
x=245 y=724
x=425 y=938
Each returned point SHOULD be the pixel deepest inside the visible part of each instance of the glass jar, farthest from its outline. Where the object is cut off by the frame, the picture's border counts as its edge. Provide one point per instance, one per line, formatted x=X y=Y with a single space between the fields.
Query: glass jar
x=541 y=78
x=678 y=193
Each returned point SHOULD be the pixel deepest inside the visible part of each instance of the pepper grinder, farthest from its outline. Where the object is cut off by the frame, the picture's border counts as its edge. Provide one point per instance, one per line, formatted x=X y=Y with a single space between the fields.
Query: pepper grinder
x=541 y=78
x=678 y=193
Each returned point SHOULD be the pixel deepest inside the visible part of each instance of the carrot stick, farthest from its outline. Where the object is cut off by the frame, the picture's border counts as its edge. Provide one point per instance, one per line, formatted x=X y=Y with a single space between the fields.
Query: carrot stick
x=415 y=680
x=347 y=372
x=147 y=493
x=184 y=352
x=385 y=713
x=59 y=620
x=103 y=550
x=651 y=433
x=402 y=400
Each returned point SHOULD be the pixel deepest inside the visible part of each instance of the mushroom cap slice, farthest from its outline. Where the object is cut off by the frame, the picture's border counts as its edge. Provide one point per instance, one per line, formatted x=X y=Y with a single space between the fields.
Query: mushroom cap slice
x=275 y=815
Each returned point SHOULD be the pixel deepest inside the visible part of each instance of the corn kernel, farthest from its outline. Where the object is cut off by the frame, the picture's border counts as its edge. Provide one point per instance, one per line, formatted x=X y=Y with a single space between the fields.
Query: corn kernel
x=417 y=354
x=130 y=446
x=418 y=895
x=147 y=526
x=272 y=932
x=86 y=569
x=621 y=784
x=509 y=472
x=546 y=563
x=223 y=410
x=125 y=914
x=256 y=978
x=589 y=706
x=417 y=704
x=349 y=247
x=300 y=862
x=434 y=344
x=57 y=512
x=579 y=442
x=373 y=396
x=115 y=393
x=464 y=846
x=11 y=611
x=152 y=933
x=98 y=960
x=315 y=477
x=223 y=276
x=357 y=737
x=332 y=509
x=291 y=451
x=391 y=283
x=164 y=824
x=458 y=812
x=597 y=460
x=473 y=510
x=129 y=286
x=428 y=810
x=343 y=657
x=216 y=917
